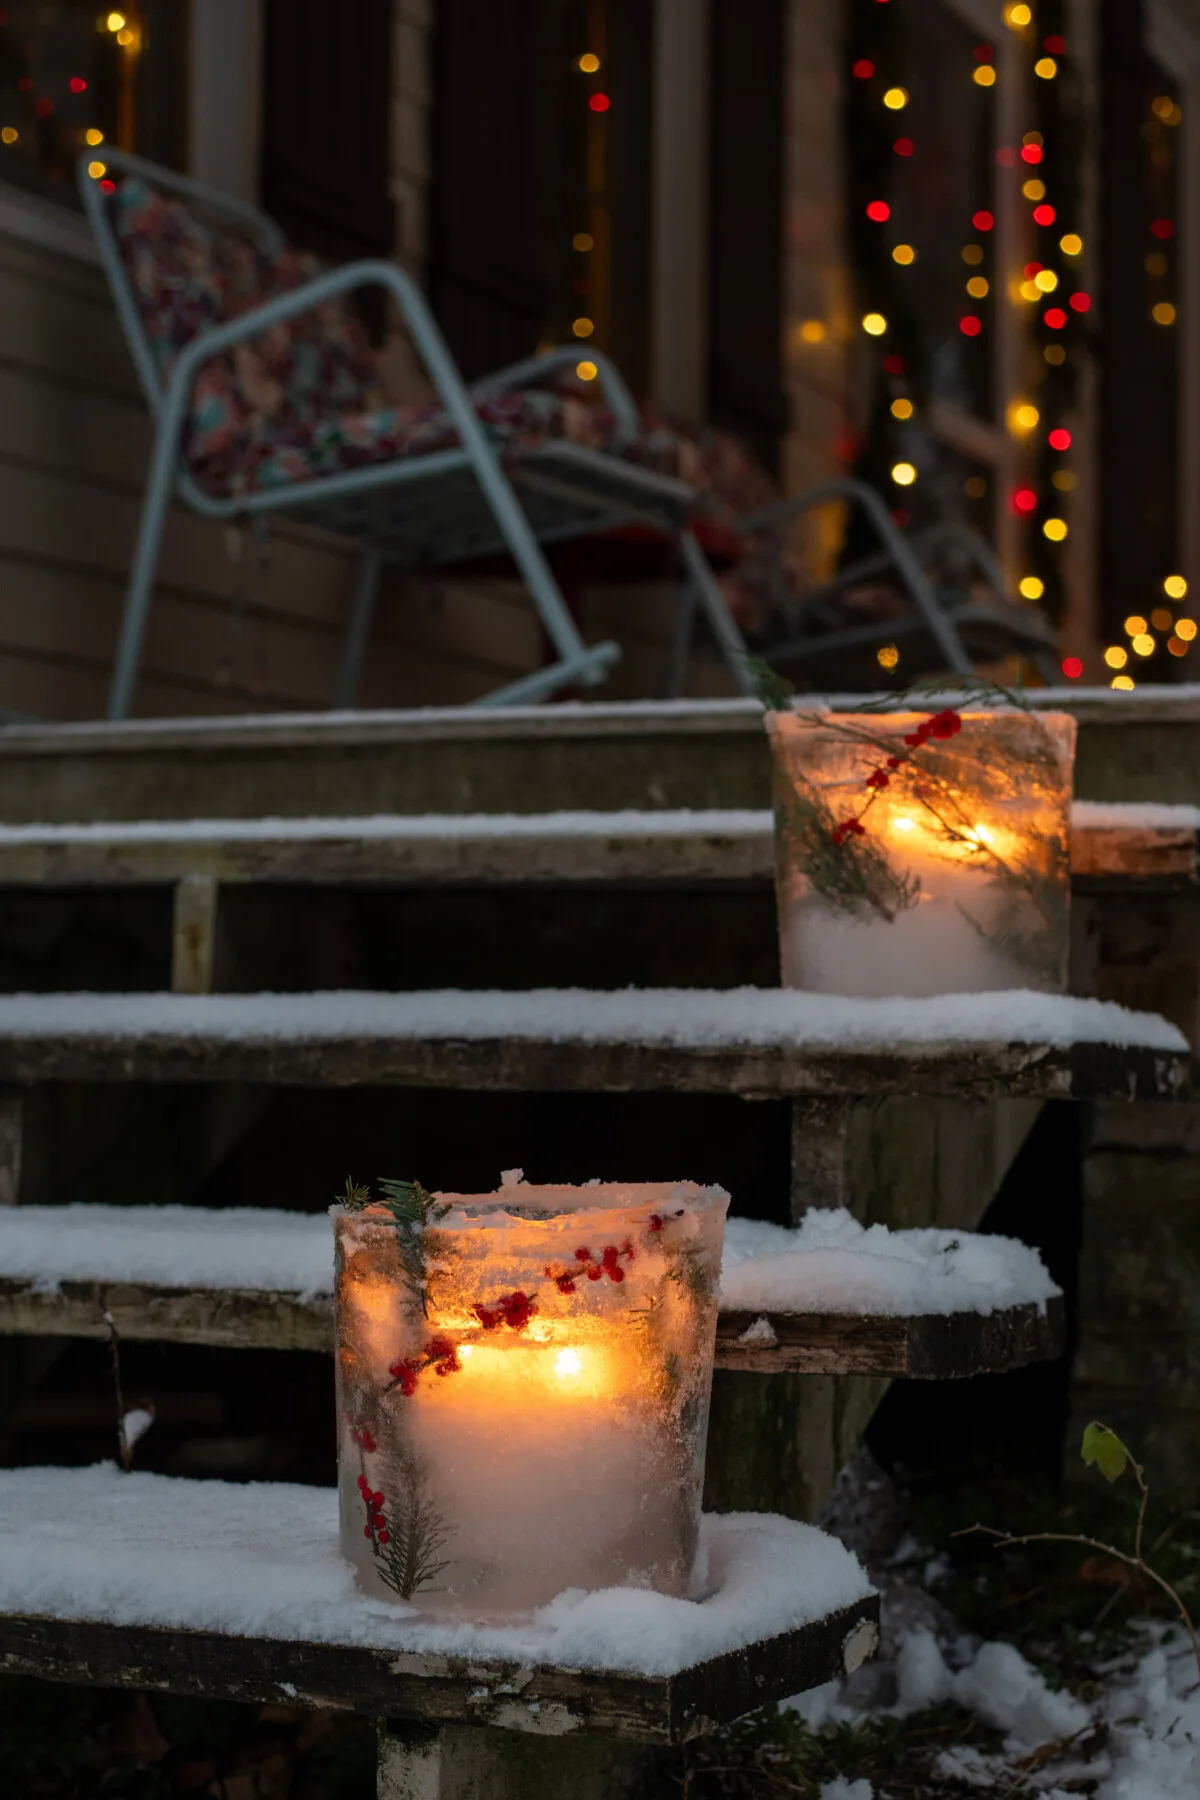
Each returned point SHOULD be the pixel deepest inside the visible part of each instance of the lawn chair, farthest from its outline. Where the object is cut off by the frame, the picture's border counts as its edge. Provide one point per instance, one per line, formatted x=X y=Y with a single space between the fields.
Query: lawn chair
x=216 y=313
x=945 y=626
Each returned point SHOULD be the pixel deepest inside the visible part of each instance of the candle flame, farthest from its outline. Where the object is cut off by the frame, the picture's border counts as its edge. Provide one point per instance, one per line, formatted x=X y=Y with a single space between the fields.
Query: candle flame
x=568 y=1362
x=466 y=1350
x=904 y=823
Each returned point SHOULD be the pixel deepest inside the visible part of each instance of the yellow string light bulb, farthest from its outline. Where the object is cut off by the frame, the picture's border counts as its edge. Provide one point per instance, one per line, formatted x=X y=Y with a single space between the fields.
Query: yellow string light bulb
x=1063 y=480
x=887 y=656
x=1055 y=530
x=583 y=327
x=1031 y=587
x=589 y=62
x=1143 y=644
x=1034 y=189
x=586 y=371
x=1134 y=625
x=115 y=22
x=1022 y=417
x=1046 y=68
x=874 y=324
x=896 y=99
x=1018 y=17
x=904 y=474
x=902 y=409
x=1175 y=587
x=97 y=169
x=1116 y=656
x=1071 y=244
x=1029 y=290
x=9 y=134
x=1045 y=281
x=1186 y=629
x=984 y=75
x=1123 y=681
x=904 y=254
x=978 y=286
x=1163 y=313
x=812 y=331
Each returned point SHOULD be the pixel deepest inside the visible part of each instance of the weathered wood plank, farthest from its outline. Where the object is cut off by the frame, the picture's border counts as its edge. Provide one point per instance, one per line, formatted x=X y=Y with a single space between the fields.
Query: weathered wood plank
x=930 y=1347
x=1161 y=856
x=529 y=1064
x=546 y=1701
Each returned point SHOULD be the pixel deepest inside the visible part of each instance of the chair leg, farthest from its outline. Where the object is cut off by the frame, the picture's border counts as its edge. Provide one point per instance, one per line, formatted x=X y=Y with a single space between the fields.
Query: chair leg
x=362 y=607
x=681 y=641
x=140 y=592
x=729 y=639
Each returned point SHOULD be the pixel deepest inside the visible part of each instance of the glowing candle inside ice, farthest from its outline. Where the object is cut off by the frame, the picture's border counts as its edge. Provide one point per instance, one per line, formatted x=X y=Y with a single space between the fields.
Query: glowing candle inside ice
x=915 y=860
x=523 y=1389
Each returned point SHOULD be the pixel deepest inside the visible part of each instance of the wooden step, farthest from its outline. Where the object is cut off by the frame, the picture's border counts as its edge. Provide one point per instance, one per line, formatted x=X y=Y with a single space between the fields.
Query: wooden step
x=759 y=1043
x=1110 y=845
x=86 y=1556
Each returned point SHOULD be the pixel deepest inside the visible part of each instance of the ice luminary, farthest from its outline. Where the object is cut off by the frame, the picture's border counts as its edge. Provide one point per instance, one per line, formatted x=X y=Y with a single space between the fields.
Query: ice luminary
x=523 y=1385
x=922 y=853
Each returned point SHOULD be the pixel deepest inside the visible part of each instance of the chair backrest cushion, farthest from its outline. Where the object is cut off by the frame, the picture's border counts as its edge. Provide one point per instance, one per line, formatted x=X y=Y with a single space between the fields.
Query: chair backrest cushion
x=188 y=273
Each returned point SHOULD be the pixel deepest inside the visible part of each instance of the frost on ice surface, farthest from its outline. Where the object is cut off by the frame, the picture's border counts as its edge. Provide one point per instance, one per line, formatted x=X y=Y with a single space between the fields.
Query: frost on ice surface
x=688 y=1018
x=262 y=1559
x=831 y=1263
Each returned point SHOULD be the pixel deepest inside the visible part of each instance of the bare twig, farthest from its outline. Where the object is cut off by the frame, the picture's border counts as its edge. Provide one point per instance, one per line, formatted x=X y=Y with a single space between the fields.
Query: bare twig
x=124 y=1447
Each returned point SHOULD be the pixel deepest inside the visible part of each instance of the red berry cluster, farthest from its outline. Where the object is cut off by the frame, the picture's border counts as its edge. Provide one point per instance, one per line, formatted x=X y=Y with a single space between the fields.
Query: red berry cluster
x=609 y=1263
x=376 y=1525
x=938 y=725
x=513 y=1310
x=441 y=1355
x=361 y=1435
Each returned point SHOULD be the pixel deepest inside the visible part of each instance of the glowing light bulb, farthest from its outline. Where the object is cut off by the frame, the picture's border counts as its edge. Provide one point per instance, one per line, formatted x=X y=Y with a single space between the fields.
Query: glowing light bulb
x=1031 y=587
x=1116 y=656
x=903 y=823
x=902 y=409
x=887 y=656
x=586 y=371
x=977 y=287
x=1063 y=480
x=93 y=137
x=1161 y=619
x=896 y=99
x=1034 y=190
x=1176 y=646
x=1046 y=68
x=1045 y=281
x=568 y=1362
x=1022 y=417
x=1055 y=530
x=589 y=63
x=904 y=474
x=1054 y=354
x=984 y=76
x=9 y=135
x=1071 y=244
x=97 y=169
x=1163 y=313
x=1017 y=17
x=1123 y=681
x=874 y=324
x=1186 y=629
x=1029 y=290
x=1175 y=587
x=583 y=328
x=115 y=21
x=1143 y=644
x=812 y=331
x=1134 y=625
x=904 y=254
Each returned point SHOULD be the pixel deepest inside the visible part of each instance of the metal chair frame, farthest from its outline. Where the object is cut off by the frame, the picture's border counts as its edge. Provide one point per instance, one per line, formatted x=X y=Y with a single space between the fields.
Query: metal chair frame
x=417 y=511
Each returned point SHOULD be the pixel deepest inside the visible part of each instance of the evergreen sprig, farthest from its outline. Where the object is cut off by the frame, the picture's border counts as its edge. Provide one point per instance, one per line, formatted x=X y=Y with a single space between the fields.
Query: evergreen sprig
x=412 y=1209
x=416 y=1532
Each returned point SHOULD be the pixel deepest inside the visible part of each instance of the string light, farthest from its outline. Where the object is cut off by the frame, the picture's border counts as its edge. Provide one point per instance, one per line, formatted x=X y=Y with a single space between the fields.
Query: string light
x=896 y=99
x=903 y=474
x=982 y=220
x=1176 y=646
x=1044 y=214
x=1045 y=281
x=977 y=287
x=97 y=169
x=115 y=22
x=1071 y=244
x=1123 y=681
x=1116 y=656
x=1017 y=17
x=1135 y=625
x=1080 y=303
x=1072 y=667
x=9 y=134
x=972 y=253
x=984 y=76
x=1186 y=629
x=1022 y=417
x=904 y=146
x=599 y=103
x=77 y=84
x=586 y=371
x=902 y=409
x=589 y=62
x=887 y=656
x=1156 y=263
x=1046 y=68
x=1059 y=438
x=93 y=137
x=1031 y=587
x=1161 y=619
x=1055 y=530
x=874 y=324
x=1163 y=313
x=583 y=327
x=1162 y=229
x=904 y=254
x=1034 y=189
x=878 y=211
x=969 y=325
x=812 y=331
x=1175 y=587
x=863 y=69
x=1025 y=500
x=1063 y=480
x=976 y=486
x=1143 y=644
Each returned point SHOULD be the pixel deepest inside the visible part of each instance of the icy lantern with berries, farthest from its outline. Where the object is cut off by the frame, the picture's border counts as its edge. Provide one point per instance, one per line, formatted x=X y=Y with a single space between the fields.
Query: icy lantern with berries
x=923 y=853
x=523 y=1384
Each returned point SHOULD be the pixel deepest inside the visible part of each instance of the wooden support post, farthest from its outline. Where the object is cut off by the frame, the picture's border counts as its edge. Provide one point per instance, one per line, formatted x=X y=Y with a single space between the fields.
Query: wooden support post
x=480 y=1762
x=193 y=934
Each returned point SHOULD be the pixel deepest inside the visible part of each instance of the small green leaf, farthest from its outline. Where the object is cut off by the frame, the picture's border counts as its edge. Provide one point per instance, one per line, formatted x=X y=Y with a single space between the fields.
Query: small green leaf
x=1104 y=1448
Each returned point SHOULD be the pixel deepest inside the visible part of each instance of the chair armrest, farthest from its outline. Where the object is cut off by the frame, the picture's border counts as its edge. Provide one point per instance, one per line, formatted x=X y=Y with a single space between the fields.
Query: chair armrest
x=613 y=386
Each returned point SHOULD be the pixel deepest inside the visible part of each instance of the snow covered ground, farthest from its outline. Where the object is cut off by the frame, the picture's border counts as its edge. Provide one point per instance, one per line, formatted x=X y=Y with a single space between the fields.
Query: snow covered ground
x=830 y=1263
x=262 y=1559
